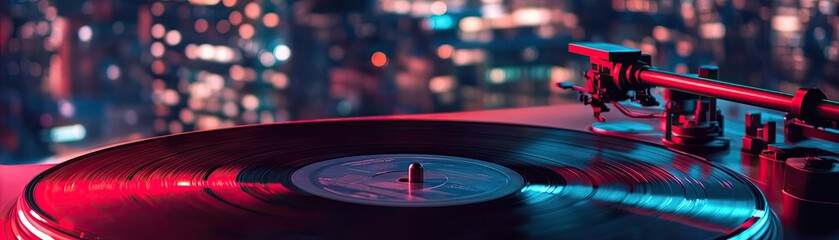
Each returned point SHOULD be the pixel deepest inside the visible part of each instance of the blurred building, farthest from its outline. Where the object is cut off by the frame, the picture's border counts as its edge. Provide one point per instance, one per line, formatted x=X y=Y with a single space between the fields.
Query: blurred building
x=215 y=63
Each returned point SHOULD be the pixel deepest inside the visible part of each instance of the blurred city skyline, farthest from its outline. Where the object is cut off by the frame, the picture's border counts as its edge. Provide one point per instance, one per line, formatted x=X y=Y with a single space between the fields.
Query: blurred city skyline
x=84 y=73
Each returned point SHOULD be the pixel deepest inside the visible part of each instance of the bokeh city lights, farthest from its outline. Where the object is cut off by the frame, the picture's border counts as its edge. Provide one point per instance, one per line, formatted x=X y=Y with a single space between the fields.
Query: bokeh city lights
x=85 y=73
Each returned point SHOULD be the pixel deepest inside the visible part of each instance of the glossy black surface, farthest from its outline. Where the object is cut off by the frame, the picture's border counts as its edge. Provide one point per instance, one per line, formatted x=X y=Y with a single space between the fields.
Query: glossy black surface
x=235 y=183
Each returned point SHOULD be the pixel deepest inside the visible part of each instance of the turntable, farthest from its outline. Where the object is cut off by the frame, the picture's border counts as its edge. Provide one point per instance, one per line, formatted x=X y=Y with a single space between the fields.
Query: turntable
x=681 y=173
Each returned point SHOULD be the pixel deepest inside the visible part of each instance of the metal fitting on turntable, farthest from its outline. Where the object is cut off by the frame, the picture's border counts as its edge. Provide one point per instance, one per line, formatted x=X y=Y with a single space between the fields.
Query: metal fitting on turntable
x=693 y=121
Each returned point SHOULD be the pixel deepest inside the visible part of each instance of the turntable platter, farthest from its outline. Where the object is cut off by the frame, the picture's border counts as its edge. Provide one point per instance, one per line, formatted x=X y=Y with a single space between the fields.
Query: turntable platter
x=338 y=179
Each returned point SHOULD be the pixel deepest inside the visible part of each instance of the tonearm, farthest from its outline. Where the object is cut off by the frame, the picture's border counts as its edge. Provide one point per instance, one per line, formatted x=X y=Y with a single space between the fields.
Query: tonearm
x=691 y=116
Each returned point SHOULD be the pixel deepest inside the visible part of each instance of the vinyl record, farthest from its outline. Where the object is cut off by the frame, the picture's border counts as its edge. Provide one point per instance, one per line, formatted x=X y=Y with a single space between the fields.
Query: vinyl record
x=346 y=179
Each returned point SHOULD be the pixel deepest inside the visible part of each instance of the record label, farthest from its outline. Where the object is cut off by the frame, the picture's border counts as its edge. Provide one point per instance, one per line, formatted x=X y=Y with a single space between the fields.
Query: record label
x=382 y=180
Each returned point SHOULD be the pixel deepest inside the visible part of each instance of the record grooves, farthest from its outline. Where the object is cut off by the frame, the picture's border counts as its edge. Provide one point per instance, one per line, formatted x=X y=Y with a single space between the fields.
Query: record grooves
x=238 y=183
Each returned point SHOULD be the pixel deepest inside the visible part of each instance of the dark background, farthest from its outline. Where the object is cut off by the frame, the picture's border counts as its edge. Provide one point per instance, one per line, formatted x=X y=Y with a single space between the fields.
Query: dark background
x=80 y=74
